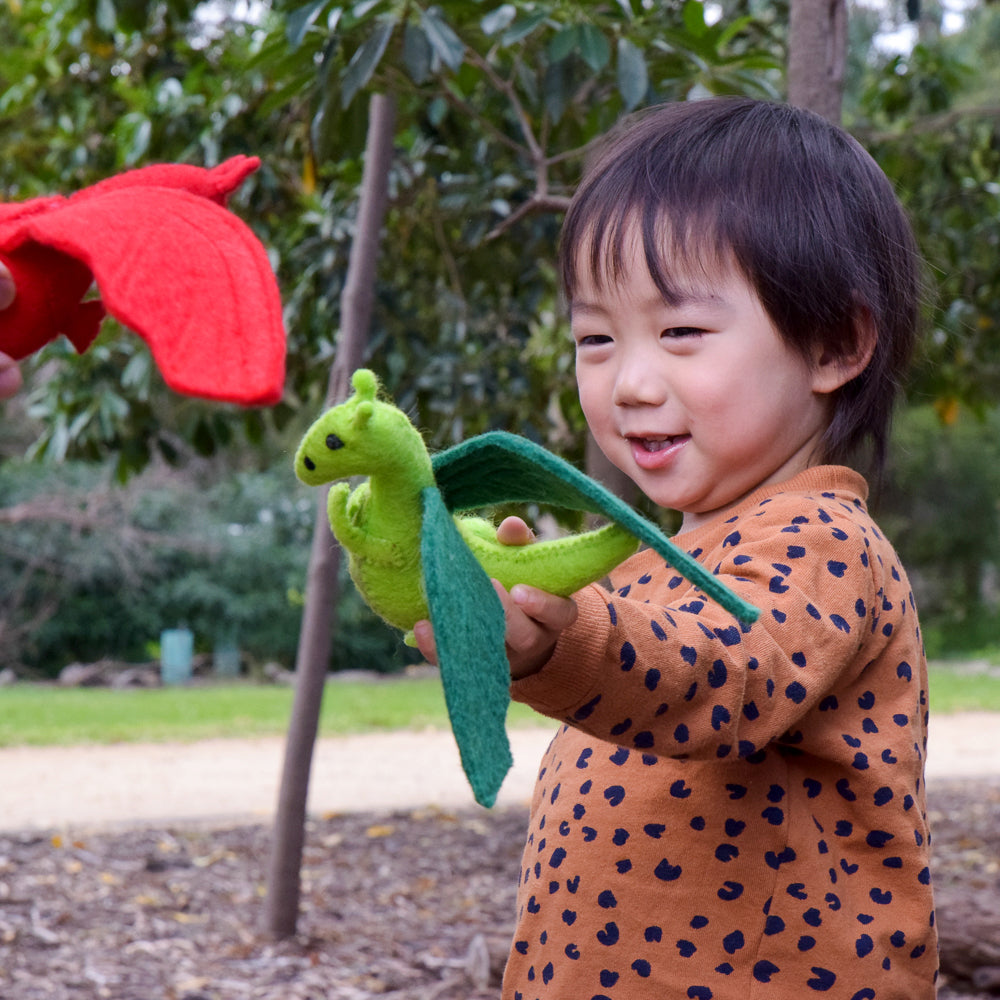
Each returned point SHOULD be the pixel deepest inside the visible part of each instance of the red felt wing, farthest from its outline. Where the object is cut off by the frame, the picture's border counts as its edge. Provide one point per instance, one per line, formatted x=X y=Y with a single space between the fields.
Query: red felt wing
x=186 y=275
x=216 y=183
x=170 y=263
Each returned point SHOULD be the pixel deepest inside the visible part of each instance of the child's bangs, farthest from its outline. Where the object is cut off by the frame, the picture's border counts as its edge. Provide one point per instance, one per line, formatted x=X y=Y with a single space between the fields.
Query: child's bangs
x=680 y=246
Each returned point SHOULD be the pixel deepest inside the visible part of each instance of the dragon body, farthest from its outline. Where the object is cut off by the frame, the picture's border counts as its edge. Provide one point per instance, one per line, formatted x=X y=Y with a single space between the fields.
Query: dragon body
x=414 y=552
x=379 y=522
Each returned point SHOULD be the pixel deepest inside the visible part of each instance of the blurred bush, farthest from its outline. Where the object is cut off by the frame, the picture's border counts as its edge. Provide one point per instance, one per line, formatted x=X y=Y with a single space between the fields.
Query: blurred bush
x=92 y=569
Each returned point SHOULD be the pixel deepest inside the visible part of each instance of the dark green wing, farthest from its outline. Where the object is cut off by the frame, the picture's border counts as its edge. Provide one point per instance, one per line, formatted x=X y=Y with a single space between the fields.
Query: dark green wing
x=469 y=632
x=497 y=467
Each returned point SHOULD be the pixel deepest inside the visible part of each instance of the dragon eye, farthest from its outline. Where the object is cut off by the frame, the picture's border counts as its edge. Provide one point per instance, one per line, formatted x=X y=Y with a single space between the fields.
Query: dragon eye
x=333 y=442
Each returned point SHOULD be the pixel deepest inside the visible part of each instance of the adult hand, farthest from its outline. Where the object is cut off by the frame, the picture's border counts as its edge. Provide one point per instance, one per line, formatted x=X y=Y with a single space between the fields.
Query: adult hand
x=7 y=289
x=10 y=374
x=533 y=617
x=10 y=377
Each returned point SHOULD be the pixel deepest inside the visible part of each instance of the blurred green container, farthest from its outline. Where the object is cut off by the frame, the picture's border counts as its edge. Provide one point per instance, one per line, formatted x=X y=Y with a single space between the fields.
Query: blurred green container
x=176 y=654
x=226 y=659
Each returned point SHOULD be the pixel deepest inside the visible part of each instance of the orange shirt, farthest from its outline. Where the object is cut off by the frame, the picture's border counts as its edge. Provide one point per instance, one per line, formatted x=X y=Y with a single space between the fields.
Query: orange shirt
x=736 y=812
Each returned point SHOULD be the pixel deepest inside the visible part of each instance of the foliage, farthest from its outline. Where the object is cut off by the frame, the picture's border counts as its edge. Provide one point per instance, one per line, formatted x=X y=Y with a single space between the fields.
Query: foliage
x=912 y=111
x=941 y=507
x=87 y=90
x=498 y=105
x=919 y=112
x=92 y=570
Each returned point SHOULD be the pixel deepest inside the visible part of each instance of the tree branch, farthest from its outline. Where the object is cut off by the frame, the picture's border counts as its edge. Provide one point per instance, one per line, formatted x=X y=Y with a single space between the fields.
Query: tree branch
x=535 y=152
x=535 y=205
x=933 y=123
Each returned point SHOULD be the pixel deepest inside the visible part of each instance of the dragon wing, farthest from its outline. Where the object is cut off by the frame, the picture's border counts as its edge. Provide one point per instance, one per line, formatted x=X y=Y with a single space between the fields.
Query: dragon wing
x=469 y=630
x=466 y=613
x=498 y=468
x=170 y=263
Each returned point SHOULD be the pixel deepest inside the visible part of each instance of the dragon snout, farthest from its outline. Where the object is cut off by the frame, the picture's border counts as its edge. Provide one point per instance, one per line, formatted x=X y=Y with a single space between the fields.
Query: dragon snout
x=332 y=442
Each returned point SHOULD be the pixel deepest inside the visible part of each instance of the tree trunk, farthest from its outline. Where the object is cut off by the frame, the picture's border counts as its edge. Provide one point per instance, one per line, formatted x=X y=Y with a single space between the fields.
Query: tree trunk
x=817 y=52
x=316 y=634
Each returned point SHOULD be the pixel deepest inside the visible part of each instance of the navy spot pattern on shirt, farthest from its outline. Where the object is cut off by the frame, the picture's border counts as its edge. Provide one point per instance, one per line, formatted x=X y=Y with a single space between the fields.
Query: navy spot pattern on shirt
x=667 y=874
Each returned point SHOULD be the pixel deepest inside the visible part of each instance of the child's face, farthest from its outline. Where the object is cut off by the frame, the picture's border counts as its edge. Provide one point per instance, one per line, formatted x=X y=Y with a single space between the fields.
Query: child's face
x=700 y=403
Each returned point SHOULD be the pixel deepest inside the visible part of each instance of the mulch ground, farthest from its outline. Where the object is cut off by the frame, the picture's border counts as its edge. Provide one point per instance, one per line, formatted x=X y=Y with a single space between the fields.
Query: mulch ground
x=408 y=906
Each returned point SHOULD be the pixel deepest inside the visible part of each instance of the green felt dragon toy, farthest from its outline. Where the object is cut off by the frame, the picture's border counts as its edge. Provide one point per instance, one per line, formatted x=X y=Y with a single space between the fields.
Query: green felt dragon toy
x=412 y=557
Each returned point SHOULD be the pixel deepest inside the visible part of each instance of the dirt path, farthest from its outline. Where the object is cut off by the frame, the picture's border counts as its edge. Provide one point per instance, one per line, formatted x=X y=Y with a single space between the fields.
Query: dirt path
x=231 y=781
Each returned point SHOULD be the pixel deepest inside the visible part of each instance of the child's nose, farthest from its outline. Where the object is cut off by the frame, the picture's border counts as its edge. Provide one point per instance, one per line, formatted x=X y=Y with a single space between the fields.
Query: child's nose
x=639 y=383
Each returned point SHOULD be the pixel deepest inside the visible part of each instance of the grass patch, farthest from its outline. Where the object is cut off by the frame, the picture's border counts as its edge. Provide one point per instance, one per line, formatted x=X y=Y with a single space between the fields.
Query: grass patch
x=956 y=689
x=35 y=715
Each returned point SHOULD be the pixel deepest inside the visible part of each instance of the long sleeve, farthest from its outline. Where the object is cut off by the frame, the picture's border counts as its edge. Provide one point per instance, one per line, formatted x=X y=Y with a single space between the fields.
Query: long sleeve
x=657 y=667
x=735 y=811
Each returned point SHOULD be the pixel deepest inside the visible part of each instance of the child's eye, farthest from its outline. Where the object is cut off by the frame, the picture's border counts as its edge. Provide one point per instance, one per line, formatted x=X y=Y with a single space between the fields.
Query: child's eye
x=678 y=332
x=593 y=340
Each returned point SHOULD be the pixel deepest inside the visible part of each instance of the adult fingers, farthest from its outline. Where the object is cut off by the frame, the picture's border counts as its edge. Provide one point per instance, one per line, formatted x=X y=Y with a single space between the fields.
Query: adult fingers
x=10 y=377
x=7 y=290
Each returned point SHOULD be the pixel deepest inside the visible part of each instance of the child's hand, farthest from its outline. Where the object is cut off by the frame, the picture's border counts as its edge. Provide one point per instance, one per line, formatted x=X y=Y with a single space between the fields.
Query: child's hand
x=534 y=621
x=534 y=618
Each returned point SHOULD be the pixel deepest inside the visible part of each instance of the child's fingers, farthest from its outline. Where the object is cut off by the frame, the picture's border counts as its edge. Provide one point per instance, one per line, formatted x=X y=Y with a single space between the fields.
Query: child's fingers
x=534 y=620
x=546 y=610
x=423 y=635
x=513 y=531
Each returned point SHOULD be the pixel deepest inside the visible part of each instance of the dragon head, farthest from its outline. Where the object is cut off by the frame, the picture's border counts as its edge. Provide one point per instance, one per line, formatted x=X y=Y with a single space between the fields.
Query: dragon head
x=363 y=436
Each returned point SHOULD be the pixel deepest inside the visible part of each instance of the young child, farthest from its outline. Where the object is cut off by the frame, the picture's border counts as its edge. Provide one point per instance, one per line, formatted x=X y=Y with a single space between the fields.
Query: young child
x=732 y=811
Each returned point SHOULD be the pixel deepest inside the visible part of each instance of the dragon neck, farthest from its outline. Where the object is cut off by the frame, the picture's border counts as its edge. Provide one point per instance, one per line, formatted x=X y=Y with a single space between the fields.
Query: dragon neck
x=395 y=501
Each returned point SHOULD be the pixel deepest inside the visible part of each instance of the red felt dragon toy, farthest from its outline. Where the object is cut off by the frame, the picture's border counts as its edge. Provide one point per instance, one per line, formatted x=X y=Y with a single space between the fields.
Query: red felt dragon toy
x=169 y=261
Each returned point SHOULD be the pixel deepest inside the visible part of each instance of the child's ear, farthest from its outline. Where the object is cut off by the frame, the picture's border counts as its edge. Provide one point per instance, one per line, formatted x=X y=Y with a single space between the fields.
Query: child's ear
x=833 y=370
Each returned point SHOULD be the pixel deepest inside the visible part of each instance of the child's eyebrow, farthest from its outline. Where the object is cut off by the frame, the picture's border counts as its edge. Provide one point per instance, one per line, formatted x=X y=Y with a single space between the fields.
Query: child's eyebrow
x=684 y=299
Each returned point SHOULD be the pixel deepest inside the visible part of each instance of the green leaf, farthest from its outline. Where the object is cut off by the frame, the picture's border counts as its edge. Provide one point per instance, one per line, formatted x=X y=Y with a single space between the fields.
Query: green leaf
x=693 y=14
x=417 y=53
x=361 y=10
x=731 y=30
x=594 y=47
x=134 y=132
x=449 y=48
x=633 y=74
x=554 y=89
x=523 y=27
x=563 y=43
x=299 y=22
x=107 y=17
x=364 y=62
x=497 y=20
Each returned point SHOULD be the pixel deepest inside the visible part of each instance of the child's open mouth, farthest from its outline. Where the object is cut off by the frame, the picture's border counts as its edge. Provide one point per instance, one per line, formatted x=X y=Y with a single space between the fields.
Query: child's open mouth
x=656 y=452
x=655 y=444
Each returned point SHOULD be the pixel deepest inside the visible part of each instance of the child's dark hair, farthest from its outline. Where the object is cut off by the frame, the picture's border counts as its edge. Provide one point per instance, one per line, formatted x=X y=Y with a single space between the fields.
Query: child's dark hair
x=806 y=214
